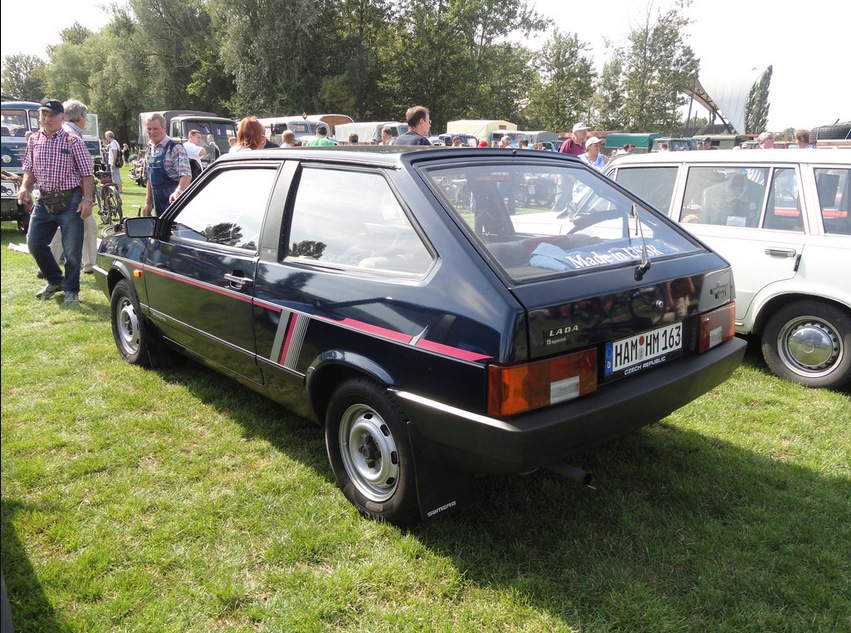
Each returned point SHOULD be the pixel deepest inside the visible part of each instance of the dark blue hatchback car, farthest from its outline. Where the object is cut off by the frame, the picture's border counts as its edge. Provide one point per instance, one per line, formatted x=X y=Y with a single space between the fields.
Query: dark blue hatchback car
x=408 y=302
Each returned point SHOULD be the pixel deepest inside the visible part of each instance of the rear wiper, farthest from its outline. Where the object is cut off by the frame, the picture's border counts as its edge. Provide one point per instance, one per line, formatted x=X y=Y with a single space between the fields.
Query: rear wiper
x=644 y=266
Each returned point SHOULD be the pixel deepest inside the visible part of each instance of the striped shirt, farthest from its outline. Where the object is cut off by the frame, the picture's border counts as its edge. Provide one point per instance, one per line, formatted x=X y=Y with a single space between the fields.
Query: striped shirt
x=175 y=163
x=58 y=162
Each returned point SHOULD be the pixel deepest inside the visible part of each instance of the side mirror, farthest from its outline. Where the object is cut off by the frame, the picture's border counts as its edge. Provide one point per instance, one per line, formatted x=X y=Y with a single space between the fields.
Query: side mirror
x=140 y=227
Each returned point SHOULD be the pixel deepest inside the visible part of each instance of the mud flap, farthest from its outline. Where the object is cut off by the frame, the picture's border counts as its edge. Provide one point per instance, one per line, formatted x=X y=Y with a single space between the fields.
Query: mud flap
x=440 y=490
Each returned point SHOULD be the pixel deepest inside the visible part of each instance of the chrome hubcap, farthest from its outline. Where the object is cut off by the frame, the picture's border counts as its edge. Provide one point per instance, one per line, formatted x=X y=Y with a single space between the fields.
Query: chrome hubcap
x=810 y=346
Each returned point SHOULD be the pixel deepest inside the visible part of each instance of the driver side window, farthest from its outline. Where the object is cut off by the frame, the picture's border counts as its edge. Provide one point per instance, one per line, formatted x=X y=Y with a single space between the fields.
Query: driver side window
x=217 y=216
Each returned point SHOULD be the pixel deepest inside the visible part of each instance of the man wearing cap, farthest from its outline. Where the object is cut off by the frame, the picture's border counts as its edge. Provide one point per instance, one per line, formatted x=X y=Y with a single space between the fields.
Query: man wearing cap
x=576 y=145
x=706 y=143
x=62 y=167
x=592 y=154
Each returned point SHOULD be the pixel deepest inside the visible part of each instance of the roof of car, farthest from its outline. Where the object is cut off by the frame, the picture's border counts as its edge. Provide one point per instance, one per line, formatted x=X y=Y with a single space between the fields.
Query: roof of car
x=781 y=156
x=385 y=155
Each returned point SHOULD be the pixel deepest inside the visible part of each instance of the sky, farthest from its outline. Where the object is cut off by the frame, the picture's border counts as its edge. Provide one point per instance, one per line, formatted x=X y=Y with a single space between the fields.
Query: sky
x=809 y=56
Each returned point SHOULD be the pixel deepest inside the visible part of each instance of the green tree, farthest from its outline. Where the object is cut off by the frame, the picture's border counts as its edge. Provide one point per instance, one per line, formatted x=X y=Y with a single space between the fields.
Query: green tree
x=68 y=75
x=564 y=94
x=756 y=110
x=22 y=77
x=264 y=46
x=357 y=35
x=118 y=82
x=659 y=69
x=452 y=56
x=609 y=98
x=178 y=58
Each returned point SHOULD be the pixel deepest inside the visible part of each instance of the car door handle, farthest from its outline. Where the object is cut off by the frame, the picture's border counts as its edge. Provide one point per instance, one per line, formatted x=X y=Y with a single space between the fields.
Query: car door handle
x=781 y=252
x=238 y=280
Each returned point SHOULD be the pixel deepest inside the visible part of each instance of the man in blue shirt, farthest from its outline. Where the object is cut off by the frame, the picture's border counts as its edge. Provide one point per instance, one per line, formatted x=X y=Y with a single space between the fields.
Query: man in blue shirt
x=419 y=125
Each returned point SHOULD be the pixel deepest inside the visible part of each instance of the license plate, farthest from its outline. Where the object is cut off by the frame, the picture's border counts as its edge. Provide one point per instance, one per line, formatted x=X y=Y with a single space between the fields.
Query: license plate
x=643 y=351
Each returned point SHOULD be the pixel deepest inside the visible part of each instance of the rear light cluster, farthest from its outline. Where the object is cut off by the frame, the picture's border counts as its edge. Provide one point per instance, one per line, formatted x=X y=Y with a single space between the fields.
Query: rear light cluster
x=716 y=327
x=521 y=388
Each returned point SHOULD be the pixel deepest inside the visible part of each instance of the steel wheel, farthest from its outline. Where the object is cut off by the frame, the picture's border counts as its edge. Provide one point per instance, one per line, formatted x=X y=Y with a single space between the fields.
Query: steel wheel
x=366 y=436
x=369 y=452
x=127 y=327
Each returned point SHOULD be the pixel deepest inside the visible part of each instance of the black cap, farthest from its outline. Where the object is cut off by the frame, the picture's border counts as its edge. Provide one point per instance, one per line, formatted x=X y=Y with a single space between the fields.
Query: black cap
x=52 y=105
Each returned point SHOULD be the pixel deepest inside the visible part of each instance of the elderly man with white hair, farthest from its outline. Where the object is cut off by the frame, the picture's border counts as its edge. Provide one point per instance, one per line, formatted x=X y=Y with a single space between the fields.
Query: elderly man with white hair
x=766 y=140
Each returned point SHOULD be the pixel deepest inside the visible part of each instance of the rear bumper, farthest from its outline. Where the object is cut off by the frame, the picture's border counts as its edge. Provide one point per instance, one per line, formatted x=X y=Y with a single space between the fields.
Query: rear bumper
x=481 y=444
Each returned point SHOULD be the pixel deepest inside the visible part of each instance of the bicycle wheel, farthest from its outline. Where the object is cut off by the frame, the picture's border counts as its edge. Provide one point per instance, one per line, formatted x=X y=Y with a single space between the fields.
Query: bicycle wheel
x=111 y=210
x=119 y=212
x=102 y=211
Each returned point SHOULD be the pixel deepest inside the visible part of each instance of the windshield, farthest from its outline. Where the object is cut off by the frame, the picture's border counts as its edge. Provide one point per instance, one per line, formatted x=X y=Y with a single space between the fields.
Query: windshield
x=535 y=219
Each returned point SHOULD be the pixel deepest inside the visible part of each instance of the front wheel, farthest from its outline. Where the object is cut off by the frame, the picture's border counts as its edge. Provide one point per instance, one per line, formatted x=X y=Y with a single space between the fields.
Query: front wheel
x=368 y=447
x=809 y=343
x=130 y=336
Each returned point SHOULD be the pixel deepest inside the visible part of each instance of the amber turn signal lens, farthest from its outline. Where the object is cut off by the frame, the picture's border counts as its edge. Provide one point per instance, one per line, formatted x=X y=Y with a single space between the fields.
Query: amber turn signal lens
x=520 y=388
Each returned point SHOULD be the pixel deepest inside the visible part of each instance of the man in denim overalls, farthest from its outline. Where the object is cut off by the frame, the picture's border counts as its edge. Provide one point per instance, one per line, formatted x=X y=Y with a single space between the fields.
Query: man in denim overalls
x=168 y=168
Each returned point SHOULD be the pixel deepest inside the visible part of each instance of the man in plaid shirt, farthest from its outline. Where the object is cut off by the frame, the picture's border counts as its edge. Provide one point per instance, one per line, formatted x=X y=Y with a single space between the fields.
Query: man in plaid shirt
x=58 y=162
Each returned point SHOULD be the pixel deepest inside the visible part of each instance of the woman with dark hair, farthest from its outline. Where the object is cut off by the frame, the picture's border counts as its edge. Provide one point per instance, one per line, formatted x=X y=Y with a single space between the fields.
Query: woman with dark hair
x=249 y=135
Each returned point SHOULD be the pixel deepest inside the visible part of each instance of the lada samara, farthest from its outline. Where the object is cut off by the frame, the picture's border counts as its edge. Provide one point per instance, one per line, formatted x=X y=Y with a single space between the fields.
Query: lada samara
x=397 y=297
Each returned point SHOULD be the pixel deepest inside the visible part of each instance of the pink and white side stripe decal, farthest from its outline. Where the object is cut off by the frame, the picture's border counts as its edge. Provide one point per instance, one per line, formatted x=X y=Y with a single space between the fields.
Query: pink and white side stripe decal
x=292 y=329
x=296 y=329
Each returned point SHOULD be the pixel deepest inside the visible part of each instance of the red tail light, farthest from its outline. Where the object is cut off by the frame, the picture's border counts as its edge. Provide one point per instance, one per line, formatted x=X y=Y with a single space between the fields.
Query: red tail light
x=530 y=386
x=716 y=327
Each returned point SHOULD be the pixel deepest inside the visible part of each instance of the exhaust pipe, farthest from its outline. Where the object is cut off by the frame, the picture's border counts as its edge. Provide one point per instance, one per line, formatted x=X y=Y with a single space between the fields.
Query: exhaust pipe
x=571 y=472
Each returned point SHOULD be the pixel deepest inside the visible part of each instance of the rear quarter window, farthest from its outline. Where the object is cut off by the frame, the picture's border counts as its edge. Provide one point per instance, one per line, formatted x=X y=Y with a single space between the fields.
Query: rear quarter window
x=353 y=219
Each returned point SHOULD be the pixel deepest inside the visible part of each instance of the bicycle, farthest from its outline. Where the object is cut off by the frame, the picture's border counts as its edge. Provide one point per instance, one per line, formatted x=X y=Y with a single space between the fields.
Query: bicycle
x=107 y=197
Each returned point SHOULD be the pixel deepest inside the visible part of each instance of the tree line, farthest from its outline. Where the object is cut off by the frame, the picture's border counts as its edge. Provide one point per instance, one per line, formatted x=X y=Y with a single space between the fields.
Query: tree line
x=370 y=59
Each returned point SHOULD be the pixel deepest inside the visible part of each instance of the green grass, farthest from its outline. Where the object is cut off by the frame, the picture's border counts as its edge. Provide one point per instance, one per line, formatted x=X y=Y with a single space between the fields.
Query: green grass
x=176 y=500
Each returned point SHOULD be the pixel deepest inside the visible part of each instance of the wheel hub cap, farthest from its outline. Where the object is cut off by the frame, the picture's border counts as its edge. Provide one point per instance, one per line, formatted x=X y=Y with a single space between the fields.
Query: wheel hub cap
x=813 y=346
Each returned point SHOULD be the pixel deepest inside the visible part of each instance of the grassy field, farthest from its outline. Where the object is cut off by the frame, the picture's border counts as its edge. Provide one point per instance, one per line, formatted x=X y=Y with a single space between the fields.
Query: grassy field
x=175 y=500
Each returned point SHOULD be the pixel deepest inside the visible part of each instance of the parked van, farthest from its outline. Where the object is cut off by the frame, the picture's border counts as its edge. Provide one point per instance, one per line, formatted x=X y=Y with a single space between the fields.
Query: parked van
x=725 y=141
x=480 y=128
x=675 y=144
x=540 y=136
x=332 y=120
x=369 y=130
x=301 y=126
x=643 y=142
x=178 y=124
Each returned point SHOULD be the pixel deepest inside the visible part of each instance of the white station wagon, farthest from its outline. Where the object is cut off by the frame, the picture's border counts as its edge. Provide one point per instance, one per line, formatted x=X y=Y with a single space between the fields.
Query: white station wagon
x=781 y=218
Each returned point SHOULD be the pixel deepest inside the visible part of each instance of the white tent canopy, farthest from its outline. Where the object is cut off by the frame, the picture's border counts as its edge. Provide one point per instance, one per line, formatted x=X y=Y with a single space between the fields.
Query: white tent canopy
x=727 y=96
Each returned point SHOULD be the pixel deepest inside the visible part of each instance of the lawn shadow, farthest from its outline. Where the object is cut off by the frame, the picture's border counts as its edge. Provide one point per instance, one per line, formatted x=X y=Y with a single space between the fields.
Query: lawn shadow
x=679 y=525
x=27 y=601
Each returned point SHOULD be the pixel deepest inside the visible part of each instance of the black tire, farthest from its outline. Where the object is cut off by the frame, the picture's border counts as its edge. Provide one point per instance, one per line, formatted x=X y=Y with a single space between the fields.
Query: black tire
x=112 y=204
x=131 y=337
x=831 y=132
x=369 y=451
x=809 y=343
